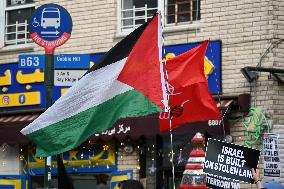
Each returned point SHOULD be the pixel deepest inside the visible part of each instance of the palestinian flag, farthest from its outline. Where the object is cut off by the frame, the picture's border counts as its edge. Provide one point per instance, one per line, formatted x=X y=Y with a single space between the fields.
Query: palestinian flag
x=126 y=82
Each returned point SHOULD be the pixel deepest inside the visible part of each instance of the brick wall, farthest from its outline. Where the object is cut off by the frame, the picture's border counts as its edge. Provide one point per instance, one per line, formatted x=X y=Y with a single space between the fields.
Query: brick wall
x=129 y=161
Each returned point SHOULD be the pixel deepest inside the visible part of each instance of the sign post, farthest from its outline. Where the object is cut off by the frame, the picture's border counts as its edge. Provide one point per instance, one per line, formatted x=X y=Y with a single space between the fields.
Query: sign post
x=50 y=27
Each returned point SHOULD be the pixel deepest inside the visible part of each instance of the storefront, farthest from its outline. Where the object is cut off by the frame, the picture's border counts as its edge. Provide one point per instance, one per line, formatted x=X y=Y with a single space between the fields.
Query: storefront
x=132 y=148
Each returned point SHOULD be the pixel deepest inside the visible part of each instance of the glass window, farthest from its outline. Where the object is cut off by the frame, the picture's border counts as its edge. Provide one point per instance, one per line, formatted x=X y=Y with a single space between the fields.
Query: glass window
x=18 y=2
x=133 y=13
x=136 y=12
x=18 y=13
x=179 y=11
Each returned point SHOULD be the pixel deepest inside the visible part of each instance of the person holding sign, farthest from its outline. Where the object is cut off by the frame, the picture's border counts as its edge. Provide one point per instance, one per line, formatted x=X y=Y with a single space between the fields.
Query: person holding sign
x=256 y=178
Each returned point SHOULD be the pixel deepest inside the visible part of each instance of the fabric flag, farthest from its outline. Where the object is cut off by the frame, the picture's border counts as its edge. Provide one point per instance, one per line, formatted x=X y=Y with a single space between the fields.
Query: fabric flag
x=126 y=82
x=189 y=89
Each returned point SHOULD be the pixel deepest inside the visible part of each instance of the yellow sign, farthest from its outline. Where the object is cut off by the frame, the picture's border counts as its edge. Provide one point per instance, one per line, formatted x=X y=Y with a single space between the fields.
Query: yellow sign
x=6 y=79
x=14 y=183
x=105 y=157
x=19 y=99
x=36 y=77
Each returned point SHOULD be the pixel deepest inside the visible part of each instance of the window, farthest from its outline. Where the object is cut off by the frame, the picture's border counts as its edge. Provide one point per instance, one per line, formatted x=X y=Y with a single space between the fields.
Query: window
x=133 y=13
x=136 y=12
x=179 y=11
x=17 y=15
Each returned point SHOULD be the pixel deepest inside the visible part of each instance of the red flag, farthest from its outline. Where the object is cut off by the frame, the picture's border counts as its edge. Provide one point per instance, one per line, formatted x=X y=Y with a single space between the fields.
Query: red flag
x=189 y=89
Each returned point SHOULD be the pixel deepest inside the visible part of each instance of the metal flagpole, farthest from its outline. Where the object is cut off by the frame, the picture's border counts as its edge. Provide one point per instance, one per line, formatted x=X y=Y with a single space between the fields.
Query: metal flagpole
x=48 y=82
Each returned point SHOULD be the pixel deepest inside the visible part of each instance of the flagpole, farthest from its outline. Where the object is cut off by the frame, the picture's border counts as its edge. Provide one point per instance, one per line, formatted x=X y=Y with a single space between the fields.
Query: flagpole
x=165 y=87
x=48 y=82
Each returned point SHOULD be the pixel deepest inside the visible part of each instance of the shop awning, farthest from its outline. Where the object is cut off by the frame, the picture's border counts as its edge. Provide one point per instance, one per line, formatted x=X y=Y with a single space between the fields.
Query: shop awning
x=135 y=128
x=15 y=119
x=10 y=126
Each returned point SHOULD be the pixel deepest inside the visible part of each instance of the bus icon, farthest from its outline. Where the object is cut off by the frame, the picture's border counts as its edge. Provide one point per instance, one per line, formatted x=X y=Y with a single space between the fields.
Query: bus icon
x=50 y=17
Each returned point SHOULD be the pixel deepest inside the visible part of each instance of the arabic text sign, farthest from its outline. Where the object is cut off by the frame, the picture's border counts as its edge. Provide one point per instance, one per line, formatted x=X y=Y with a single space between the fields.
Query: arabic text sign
x=230 y=160
x=120 y=130
x=271 y=161
x=21 y=88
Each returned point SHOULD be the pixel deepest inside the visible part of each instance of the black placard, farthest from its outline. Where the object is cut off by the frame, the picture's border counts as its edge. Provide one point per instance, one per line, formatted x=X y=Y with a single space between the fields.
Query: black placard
x=218 y=182
x=230 y=160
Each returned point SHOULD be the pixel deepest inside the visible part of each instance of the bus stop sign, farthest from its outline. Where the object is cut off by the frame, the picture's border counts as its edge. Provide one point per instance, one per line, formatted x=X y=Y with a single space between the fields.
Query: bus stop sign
x=50 y=26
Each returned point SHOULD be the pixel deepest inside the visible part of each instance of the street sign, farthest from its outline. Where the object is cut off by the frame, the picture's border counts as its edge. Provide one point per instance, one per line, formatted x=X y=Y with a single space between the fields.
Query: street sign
x=72 y=61
x=62 y=61
x=31 y=61
x=67 y=77
x=50 y=26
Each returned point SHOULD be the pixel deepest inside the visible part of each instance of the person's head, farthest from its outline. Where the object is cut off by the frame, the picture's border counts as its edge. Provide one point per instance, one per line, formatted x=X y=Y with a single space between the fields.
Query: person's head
x=130 y=184
x=101 y=179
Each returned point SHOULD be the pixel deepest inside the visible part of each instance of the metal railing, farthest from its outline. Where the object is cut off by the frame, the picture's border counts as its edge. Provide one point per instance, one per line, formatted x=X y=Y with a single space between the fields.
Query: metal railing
x=17 y=33
x=144 y=13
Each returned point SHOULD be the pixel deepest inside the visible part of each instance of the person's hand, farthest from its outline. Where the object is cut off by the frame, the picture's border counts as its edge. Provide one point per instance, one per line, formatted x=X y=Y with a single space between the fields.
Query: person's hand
x=257 y=180
x=255 y=174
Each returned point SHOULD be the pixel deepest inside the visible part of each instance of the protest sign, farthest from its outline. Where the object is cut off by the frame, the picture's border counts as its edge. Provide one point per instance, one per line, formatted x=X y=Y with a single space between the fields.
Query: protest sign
x=271 y=160
x=218 y=182
x=230 y=160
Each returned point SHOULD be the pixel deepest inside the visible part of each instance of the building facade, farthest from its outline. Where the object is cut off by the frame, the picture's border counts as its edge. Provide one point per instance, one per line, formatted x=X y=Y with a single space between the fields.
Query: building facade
x=250 y=34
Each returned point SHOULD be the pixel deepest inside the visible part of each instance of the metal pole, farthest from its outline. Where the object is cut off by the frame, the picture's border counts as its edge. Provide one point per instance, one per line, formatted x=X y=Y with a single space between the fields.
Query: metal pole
x=48 y=82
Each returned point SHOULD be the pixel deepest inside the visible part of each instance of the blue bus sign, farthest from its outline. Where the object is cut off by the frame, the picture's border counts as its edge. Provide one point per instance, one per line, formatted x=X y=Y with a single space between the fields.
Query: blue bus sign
x=50 y=26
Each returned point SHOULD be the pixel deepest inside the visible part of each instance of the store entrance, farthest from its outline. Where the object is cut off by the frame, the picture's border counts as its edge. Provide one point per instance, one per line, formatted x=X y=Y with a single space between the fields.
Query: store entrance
x=96 y=181
x=168 y=177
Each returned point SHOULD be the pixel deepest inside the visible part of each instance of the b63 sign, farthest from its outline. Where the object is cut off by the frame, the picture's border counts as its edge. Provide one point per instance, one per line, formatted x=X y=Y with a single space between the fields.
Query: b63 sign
x=31 y=61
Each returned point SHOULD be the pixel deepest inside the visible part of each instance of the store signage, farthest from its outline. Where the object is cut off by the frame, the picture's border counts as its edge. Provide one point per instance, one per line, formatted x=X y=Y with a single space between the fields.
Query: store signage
x=22 y=83
x=92 y=157
x=118 y=129
x=50 y=26
x=218 y=182
x=230 y=160
x=21 y=88
x=20 y=99
x=271 y=160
